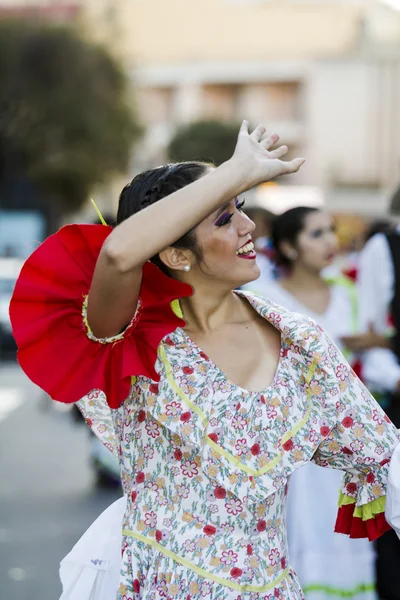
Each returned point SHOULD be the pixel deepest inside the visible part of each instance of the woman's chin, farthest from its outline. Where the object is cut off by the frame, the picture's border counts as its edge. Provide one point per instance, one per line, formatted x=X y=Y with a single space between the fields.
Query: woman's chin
x=249 y=275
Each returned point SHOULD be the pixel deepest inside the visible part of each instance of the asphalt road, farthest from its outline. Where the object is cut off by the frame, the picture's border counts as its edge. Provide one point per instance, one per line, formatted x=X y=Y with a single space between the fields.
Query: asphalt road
x=48 y=495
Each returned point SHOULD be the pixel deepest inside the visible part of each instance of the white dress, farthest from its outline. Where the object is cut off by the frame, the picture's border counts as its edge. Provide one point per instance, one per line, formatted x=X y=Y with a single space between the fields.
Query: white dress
x=330 y=566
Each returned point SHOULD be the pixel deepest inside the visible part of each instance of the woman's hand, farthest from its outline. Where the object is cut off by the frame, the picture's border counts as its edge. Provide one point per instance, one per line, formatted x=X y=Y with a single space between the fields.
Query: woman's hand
x=366 y=341
x=253 y=157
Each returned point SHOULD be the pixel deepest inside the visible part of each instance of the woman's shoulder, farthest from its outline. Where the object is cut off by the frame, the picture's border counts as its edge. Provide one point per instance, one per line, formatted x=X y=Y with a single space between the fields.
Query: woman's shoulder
x=295 y=325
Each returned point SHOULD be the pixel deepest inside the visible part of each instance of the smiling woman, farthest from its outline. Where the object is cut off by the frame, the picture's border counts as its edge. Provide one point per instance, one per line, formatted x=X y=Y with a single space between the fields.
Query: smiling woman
x=210 y=398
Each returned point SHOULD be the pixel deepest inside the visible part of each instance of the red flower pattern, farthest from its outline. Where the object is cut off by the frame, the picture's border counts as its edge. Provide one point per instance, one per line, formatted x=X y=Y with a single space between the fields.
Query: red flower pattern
x=236 y=572
x=188 y=370
x=287 y=446
x=140 y=477
x=220 y=493
x=141 y=416
x=261 y=525
x=209 y=530
x=178 y=454
x=255 y=449
x=351 y=487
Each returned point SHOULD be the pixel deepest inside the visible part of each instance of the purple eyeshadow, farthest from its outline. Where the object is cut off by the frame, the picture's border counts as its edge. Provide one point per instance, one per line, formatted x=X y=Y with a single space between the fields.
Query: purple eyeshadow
x=222 y=218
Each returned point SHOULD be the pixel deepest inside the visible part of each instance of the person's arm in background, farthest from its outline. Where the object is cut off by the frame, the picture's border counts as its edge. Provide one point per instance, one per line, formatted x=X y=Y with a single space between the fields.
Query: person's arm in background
x=381 y=371
x=375 y=284
x=375 y=290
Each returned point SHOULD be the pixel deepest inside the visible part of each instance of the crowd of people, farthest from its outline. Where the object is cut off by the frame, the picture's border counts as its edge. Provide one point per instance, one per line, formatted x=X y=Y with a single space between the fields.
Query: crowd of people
x=219 y=402
x=358 y=310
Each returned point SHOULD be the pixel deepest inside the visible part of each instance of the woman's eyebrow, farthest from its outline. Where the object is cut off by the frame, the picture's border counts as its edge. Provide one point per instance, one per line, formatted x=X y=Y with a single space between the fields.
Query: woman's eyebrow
x=223 y=208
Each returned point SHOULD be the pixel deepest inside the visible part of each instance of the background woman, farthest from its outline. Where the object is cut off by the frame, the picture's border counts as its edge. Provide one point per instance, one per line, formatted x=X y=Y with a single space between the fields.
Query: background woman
x=329 y=566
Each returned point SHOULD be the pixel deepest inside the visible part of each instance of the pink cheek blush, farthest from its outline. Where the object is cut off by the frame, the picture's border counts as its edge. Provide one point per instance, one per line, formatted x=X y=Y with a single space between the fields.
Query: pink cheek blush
x=218 y=246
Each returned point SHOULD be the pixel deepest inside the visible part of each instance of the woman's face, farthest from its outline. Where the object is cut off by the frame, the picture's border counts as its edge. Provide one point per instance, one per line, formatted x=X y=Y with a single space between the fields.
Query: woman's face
x=225 y=240
x=317 y=244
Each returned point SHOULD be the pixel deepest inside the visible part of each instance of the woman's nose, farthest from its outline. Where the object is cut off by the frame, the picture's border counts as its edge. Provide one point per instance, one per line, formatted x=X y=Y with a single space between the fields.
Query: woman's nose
x=246 y=225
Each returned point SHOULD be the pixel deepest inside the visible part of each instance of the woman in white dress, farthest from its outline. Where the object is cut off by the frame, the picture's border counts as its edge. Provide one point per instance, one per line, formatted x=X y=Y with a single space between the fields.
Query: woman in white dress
x=330 y=566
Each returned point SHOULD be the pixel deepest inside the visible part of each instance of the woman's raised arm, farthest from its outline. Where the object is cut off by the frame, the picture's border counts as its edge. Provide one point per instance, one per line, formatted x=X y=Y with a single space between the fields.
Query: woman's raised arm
x=116 y=282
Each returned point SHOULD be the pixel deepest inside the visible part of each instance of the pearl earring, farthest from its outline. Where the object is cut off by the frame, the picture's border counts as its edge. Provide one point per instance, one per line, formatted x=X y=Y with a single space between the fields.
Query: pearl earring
x=186 y=268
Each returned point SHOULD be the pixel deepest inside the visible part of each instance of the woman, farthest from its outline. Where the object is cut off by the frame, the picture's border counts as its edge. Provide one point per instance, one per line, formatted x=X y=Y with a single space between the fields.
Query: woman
x=329 y=566
x=209 y=416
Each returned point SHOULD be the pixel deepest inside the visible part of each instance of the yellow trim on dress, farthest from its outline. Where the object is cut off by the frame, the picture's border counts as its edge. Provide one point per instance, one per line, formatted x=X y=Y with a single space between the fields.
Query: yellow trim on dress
x=365 y=511
x=108 y=340
x=203 y=572
x=176 y=308
x=232 y=459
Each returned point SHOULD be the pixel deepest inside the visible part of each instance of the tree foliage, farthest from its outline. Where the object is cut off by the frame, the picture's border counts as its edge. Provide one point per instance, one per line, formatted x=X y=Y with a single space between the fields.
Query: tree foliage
x=66 y=119
x=212 y=141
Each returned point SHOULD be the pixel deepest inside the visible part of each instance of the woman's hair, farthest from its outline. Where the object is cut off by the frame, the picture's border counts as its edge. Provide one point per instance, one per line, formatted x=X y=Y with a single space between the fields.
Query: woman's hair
x=153 y=185
x=379 y=226
x=287 y=227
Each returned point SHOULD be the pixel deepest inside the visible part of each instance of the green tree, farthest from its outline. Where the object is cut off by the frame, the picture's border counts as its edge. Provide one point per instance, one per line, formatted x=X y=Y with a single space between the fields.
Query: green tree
x=212 y=141
x=66 y=118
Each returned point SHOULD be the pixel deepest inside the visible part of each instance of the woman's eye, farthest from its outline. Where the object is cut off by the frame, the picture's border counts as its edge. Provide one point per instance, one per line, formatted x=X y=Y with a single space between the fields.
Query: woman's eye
x=239 y=205
x=225 y=219
x=317 y=233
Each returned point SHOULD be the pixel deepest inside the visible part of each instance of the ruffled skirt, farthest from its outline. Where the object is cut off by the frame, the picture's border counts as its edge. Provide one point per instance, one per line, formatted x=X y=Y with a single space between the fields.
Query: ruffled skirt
x=91 y=571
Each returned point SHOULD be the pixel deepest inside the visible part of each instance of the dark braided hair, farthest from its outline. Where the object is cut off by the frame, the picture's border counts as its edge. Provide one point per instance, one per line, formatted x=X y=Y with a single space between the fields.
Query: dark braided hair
x=153 y=185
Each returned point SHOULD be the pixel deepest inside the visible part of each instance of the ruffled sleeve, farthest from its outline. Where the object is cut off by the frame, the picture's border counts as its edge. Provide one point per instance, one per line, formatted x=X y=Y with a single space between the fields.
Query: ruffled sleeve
x=360 y=442
x=56 y=347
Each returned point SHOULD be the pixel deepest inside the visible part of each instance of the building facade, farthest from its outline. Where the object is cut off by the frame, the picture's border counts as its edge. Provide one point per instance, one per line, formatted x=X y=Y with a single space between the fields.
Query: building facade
x=324 y=74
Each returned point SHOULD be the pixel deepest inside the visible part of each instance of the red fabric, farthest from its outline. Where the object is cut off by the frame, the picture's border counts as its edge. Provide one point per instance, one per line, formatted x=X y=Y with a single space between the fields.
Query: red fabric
x=351 y=273
x=358 y=368
x=355 y=527
x=46 y=315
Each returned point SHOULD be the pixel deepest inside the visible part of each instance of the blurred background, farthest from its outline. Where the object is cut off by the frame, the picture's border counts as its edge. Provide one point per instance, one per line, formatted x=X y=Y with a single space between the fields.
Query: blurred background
x=94 y=91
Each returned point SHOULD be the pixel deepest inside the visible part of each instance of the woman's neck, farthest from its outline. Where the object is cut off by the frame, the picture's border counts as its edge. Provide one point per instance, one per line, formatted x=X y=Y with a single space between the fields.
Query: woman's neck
x=309 y=289
x=302 y=278
x=207 y=312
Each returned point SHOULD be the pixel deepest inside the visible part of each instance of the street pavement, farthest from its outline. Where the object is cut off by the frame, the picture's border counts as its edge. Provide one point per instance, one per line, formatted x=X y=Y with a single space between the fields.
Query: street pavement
x=48 y=497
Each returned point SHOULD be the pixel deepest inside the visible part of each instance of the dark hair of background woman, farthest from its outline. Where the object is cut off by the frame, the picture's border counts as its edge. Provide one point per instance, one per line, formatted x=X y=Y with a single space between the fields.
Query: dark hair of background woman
x=287 y=227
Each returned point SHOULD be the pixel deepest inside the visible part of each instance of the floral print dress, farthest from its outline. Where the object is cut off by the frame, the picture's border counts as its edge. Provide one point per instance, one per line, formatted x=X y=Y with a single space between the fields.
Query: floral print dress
x=205 y=464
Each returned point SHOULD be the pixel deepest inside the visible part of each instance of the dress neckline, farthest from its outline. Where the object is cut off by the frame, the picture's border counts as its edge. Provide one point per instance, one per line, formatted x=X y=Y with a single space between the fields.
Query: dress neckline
x=271 y=386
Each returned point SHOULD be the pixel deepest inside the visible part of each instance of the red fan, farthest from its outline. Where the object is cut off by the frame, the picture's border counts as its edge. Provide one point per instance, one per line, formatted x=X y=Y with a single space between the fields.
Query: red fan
x=46 y=315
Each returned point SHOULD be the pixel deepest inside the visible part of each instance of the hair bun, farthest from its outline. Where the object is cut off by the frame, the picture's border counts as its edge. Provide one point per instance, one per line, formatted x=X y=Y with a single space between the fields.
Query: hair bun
x=151 y=196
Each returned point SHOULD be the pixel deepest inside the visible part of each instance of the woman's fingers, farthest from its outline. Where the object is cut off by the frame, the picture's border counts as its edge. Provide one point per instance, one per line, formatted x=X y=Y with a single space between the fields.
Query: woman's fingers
x=266 y=163
x=258 y=133
x=279 y=152
x=270 y=141
x=292 y=166
x=244 y=128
